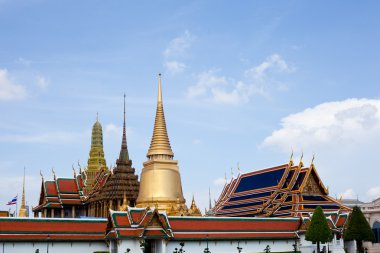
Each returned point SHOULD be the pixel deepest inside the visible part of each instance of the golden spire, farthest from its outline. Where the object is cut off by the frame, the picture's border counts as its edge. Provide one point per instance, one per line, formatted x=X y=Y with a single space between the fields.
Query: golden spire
x=291 y=159
x=160 y=145
x=301 y=163
x=312 y=161
x=22 y=212
x=160 y=183
x=194 y=210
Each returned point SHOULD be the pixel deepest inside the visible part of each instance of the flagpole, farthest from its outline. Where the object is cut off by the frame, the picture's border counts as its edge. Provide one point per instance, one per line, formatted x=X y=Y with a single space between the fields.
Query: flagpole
x=16 y=204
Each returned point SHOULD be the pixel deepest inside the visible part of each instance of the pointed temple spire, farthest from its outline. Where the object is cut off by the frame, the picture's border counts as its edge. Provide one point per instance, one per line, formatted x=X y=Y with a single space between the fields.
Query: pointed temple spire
x=22 y=212
x=96 y=161
x=124 y=156
x=160 y=184
x=160 y=146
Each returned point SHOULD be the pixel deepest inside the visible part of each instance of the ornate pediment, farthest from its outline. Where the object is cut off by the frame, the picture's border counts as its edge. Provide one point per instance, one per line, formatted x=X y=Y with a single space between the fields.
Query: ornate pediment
x=312 y=187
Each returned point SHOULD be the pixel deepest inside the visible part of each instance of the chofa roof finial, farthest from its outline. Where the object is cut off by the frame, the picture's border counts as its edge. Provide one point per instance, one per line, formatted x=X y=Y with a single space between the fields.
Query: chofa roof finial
x=301 y=163
x=291 y=158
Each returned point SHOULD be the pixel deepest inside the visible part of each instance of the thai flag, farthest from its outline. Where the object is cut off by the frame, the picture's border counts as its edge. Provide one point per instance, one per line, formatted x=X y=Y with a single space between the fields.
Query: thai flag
x=13 y=201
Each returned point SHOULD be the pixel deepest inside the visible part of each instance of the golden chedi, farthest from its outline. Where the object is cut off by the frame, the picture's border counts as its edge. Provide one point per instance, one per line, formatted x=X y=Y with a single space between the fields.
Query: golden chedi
x=160 y=185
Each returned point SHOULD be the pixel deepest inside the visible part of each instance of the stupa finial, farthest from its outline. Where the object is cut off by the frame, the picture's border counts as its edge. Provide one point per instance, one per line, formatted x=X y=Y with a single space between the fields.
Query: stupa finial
x=160 y=144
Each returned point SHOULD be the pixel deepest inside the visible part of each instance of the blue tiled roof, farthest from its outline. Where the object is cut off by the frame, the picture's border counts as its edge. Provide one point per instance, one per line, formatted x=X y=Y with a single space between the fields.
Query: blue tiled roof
x=299 y=181
x=242 y=205
x=252 y=196
x=263 y=180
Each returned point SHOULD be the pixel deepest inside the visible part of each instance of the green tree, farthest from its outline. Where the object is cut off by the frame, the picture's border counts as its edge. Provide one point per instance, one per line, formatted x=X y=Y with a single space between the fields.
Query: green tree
x=358 y=229
x=318 y=230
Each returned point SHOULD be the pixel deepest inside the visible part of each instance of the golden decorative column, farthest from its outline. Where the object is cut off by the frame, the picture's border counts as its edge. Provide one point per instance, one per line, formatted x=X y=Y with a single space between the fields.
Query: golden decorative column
x=160 y=184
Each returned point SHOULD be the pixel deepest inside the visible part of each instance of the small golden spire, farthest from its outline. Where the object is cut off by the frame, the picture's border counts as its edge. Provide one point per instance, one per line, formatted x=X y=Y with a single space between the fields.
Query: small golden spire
x=160 y=144
x=159 y=95
x=301 y=163
x=238 y=168
x=232 y=173
x=291 y=158
x=22 y=212
x=312 y=161
x=194 y=210
x=97 y=117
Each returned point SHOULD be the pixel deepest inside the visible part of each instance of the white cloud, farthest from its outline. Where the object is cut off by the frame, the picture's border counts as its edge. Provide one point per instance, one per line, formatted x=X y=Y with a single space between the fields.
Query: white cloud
x=223 y=90
x=174 y=66
x=206 y=81
x=179 y=45
x=374 y=192
x=176 y=50
x=42 y=82
x=271 y=63
x=113 y=130
x=220 y=181
x=344 y=135
x=9 y=90
x=350 y=121
x=347 y=194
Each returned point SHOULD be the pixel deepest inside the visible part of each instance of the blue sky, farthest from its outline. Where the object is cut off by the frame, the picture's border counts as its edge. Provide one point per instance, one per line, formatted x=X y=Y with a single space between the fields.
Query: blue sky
x=242 y=83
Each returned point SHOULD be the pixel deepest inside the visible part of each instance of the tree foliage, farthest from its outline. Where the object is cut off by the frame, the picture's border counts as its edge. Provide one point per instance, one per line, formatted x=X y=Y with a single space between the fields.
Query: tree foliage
x=358 y=227
x=318 y=230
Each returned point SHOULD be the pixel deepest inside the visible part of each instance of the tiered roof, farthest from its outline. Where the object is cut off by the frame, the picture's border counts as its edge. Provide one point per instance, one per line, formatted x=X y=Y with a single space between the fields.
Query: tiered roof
x=282 y=191
x=150 y=223
x=60 y=192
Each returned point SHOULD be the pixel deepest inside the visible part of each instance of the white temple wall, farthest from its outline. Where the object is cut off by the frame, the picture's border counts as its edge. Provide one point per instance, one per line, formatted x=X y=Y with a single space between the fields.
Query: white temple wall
x=335 y=246
x=52 y=247
x=249 y=246
x=132 y=244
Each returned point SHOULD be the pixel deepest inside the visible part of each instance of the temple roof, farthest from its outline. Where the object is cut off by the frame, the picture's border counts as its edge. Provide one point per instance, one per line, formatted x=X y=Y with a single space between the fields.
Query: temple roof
x=24 y=229
x=281 y=191
x=60 y=192
x=150 y=223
